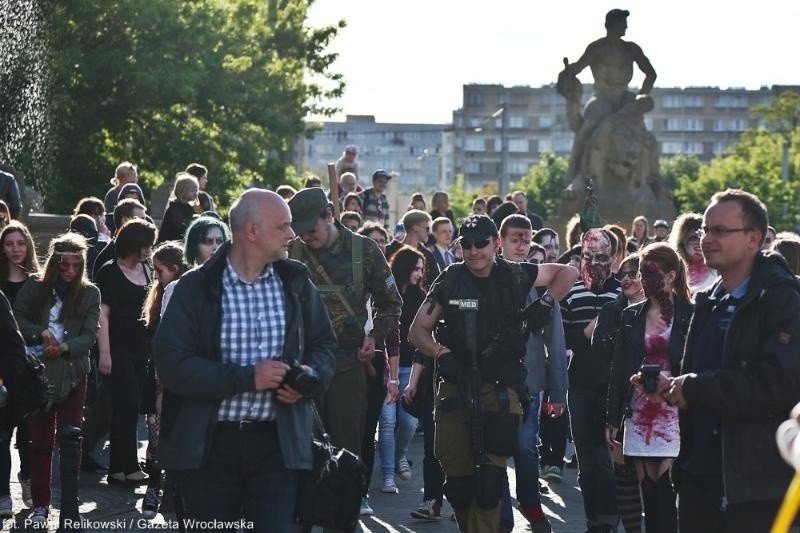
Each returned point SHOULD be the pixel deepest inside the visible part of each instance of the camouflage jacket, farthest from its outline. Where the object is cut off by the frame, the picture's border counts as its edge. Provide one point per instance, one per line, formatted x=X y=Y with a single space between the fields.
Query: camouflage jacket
x=376 y=280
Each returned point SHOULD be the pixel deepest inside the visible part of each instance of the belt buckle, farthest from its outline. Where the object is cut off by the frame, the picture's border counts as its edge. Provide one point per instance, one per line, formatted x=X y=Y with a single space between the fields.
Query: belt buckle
x=244 y=424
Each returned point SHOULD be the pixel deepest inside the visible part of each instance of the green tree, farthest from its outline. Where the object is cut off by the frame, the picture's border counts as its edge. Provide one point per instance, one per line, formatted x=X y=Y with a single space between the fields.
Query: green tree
x=678 y=167
x=754 y=165
x=162 y=83
x=782 y=114
x=543 y=184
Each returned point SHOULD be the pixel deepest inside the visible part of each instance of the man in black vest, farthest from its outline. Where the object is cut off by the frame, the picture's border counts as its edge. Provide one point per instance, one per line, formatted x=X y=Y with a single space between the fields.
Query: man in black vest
x=478 y=351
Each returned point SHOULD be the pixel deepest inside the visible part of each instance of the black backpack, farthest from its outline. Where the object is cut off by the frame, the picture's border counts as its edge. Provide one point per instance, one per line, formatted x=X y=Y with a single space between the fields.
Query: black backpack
x=329 y=495
x=22 y=374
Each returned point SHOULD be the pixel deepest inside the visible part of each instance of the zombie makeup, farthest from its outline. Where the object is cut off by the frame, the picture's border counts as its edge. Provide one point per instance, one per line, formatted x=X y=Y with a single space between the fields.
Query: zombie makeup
x=595 y=259
x=654 y=285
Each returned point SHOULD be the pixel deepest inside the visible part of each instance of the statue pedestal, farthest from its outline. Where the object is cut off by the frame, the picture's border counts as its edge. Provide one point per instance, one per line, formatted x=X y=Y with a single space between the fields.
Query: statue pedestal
x=616 y=205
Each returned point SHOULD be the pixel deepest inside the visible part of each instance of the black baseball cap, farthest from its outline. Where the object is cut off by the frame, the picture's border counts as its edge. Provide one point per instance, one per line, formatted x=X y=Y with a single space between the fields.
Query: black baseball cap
x=381 y=173
x=477 y=227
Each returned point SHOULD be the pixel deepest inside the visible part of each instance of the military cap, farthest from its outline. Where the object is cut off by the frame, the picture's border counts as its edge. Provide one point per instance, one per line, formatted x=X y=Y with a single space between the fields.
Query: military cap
x=307 y=206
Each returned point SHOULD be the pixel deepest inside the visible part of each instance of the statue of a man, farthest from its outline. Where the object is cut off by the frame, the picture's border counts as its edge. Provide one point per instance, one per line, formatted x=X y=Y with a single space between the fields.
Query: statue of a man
x=611 y=60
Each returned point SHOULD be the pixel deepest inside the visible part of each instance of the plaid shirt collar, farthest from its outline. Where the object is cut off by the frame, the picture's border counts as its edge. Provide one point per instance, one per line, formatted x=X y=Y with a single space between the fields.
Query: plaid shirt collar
x=231 y=278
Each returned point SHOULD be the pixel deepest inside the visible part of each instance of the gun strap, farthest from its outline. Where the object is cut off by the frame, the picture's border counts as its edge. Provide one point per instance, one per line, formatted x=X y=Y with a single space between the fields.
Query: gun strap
x=336 y=289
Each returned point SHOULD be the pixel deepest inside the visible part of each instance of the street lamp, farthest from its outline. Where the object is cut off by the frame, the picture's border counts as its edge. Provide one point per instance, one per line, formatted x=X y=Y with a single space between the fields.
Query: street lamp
x=501 y=112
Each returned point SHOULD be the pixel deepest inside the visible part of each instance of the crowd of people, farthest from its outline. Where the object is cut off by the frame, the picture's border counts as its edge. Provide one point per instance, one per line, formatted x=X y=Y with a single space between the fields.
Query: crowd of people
x=666 y=361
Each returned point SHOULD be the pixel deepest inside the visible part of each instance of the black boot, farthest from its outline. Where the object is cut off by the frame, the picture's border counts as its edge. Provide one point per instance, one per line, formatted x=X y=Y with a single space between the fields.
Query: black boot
x=69 y=441
x=667 y=510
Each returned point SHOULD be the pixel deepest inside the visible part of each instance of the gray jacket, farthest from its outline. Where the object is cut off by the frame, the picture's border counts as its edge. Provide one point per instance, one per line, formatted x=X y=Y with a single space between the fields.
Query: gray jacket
x=546 y=360
x=189 y=362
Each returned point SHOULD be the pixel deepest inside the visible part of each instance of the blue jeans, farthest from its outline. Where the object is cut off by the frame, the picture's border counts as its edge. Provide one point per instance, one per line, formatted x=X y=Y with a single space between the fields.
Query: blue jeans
x=395 y=429
x=526 y=466
x=245 y=476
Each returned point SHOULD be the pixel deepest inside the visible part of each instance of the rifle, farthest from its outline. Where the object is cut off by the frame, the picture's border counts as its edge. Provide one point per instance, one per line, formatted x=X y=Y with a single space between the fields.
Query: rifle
x=471 y=388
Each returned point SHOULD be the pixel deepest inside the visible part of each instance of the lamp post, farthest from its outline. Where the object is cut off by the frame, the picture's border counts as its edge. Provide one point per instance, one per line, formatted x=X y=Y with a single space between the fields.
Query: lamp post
x=501 y=112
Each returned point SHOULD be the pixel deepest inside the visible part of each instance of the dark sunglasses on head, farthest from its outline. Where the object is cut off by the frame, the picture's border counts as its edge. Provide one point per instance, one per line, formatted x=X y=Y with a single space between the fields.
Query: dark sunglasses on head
x=467 y=244
x=632 y=274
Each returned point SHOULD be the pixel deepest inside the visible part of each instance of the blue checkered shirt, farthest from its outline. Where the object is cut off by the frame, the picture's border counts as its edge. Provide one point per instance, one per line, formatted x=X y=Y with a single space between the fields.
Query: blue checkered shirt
x=253 y=329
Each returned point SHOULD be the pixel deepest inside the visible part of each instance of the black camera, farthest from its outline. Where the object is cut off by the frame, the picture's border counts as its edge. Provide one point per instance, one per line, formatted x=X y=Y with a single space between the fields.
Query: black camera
x=300 y=380
x=650 y=378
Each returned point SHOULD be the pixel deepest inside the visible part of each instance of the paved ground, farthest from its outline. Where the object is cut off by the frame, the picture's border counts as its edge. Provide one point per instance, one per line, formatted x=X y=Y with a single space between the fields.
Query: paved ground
x=111 y=508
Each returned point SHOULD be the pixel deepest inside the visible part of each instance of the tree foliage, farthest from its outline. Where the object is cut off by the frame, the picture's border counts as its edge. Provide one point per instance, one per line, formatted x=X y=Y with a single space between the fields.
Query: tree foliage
x=754 y=165
x=161 y=83
x=544 y=183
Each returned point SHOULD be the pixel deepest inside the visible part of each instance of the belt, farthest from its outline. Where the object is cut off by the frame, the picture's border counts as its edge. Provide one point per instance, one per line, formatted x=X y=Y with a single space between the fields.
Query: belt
x=247 y=425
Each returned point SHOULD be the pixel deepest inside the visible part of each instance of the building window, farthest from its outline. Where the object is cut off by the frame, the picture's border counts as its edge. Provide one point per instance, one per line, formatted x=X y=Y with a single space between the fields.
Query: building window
x=671 y=147
x=720 y=147
x=472 y=167
x=459 y=121
x=518 y=167
x=694 y=124
x=693 y=101
x=672 y=100
x=474 y=122
x=520 y=99
x=546 y=121
x=738 y=124
x=546 y=145
x=518 y=145
x=672 y=124
x=518 y=122
x=731 y=101
x=474 y=99
x=475 y=144
x=648 y=123
x=546 y=99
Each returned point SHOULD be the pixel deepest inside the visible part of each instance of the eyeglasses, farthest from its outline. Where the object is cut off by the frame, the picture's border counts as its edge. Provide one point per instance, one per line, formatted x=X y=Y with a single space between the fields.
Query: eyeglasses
x=717 y=231
x=467 y=244
x=211 y=241
x=622 y=274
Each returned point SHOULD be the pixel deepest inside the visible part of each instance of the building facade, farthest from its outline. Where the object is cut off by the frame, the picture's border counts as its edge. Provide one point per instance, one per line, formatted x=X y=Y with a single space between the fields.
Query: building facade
x=411 y=152
x=699 y=121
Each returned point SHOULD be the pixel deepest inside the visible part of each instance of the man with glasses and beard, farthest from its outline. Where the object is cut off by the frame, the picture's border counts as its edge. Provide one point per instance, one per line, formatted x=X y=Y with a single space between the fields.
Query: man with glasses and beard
x=588 y=379
x=478 y=350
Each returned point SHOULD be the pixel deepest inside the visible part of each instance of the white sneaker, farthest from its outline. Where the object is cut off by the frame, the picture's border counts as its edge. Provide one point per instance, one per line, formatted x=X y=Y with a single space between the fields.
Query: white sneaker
x=404 y=469
x=6 y=507
x=25 y=485
x=366 y=510
x=389 y=486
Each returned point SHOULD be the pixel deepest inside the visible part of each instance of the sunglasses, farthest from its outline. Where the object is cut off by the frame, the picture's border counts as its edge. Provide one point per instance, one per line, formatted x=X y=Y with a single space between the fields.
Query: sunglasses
x=632 y=274
x=212 y=241
x=467 y=244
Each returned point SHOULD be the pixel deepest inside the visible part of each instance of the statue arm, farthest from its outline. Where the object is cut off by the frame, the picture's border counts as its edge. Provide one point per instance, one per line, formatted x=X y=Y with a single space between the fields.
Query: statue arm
x=646 y=67
x=585 y=60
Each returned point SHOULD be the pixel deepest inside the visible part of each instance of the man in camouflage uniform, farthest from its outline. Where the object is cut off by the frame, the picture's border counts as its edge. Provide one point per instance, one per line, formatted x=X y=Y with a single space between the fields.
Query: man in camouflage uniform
x=348 y=270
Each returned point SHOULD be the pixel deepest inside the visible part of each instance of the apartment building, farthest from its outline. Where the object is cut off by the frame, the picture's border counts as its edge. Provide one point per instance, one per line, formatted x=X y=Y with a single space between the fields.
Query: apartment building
x=701 y=121
x=413 y=153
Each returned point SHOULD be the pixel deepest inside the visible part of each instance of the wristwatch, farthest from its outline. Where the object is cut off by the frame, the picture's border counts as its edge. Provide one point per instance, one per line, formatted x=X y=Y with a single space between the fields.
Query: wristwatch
x=394 y=382
x=549 y=300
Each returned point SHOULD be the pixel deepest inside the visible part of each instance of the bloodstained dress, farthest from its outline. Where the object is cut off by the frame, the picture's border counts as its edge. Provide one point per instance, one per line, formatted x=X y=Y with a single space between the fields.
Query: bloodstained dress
x=652 y=430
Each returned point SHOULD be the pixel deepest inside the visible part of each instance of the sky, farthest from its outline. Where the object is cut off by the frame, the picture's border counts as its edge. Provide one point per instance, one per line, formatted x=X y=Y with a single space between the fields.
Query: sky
x=407 y=61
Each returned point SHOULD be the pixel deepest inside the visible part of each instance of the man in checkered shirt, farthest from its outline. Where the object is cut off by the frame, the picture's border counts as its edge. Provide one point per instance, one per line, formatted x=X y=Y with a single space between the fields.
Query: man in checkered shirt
x=232 y=431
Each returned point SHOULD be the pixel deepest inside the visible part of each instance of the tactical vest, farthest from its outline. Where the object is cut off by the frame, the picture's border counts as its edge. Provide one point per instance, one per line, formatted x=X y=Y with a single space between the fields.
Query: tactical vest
x=491 y=312
x=348 y=326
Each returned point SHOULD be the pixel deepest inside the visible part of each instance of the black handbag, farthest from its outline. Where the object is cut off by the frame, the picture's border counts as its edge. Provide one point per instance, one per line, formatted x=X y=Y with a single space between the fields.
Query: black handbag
x=329 y=495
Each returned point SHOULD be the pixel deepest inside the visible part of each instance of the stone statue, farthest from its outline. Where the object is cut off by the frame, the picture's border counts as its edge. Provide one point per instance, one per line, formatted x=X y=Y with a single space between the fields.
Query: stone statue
x=613 y=116
x=612 y=152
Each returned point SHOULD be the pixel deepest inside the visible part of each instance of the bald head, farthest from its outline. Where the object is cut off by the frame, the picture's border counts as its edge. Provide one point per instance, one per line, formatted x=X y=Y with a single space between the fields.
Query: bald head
x=254 y=205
